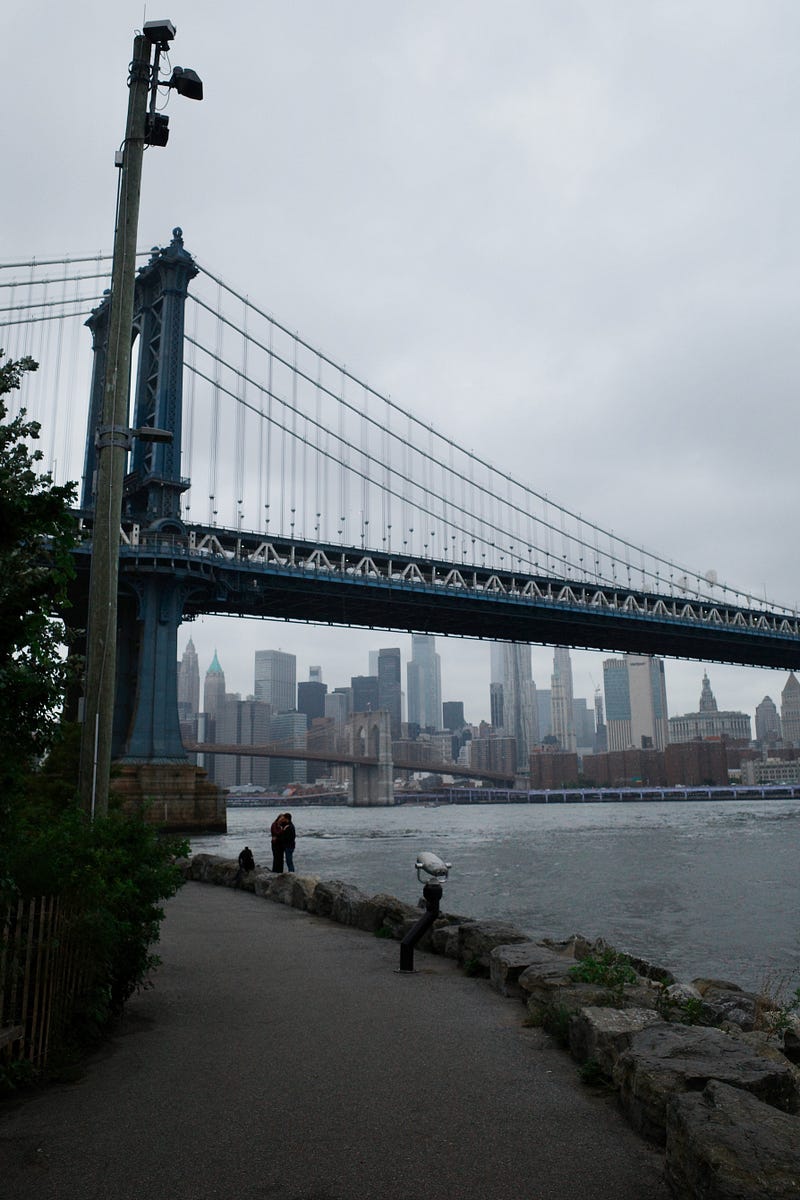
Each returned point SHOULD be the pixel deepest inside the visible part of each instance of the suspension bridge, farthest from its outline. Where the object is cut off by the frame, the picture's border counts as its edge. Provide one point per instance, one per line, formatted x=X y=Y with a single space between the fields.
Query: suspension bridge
x=290 y=488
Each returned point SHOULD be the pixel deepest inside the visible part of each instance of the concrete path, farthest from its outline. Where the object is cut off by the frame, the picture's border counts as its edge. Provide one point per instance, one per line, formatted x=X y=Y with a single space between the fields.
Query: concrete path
x=280 y=1055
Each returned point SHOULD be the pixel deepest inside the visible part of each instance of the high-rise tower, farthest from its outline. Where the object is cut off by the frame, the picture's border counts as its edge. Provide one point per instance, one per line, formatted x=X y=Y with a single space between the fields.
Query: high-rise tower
x=424 y=676
x=790 y=710
x=188 y=684
x=276 y=680
x=214 y=688
x=562 y=700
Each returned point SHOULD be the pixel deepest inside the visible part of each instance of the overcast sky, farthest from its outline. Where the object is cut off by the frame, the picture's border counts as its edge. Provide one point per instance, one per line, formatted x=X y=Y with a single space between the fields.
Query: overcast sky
x=565 y=233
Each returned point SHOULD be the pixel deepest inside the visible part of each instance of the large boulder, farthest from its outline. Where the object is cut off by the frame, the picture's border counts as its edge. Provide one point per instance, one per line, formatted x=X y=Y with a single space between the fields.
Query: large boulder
x=507 y=963
x=601 y=1035
x=338 y=901
x=722 y=1001
x=394 y=917
x=724 y=1144
x=288 y=888
x=666 y=1059
x=477 y=940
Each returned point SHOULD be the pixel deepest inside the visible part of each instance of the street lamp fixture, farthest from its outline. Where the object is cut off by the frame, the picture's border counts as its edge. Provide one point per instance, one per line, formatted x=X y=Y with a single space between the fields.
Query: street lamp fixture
x=144 y=127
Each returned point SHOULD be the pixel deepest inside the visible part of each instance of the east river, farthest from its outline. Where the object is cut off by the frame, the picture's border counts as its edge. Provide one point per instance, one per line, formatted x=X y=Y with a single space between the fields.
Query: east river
x=699 y=887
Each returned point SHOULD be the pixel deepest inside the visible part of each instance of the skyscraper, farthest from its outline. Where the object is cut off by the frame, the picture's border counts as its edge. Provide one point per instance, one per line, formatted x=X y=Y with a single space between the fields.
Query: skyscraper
x=517 y=707
x=790 y=710
x=648 y=699
x=188 y=684
x=275 y=679
x=311 y=699
x=424 y=676
x=618 y=704
x=390 y=687
x=768 y=723
x=365 y=693
x=214 y=688
x=562 y=700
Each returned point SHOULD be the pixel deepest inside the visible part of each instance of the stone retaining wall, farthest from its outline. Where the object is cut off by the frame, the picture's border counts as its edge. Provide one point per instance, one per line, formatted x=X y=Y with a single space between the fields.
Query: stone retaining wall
x=706 y=1070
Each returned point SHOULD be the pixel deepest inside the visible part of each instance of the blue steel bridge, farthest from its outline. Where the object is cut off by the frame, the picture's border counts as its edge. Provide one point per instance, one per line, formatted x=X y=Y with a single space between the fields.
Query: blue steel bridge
x=292 y=489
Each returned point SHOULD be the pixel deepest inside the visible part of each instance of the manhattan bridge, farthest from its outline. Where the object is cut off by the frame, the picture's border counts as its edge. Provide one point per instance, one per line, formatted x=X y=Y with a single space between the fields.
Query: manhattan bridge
x=289 y=488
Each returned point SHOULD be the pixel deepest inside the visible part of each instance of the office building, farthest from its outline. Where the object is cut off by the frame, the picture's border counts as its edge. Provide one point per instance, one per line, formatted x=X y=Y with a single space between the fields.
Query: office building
x=276 y=679
x=518 y=710
x=242 y=723
x=311 y=700
x=390 y=689
x=790 y=711
x=424 y=683
x=214 y=688
x=288 y=730
x=365 y=693
x=544 y=708
x=618 y=704
x=601 y=733
x=583 y=721
x=648 y=699
x=453 y=715
x=709 y=722
x=562 y=700
x=188 y=684
x=768 y=723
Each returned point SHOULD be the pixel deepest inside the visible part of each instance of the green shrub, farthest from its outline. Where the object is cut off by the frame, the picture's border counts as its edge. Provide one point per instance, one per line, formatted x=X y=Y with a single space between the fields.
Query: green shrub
x=609 y=969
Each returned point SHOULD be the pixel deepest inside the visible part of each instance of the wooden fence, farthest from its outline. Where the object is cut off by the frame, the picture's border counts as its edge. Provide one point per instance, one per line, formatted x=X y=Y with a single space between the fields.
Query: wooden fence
x=43 y=969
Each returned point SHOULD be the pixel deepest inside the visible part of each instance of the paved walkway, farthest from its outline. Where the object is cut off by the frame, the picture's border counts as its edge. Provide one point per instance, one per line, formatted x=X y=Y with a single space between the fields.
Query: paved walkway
x=280 y=1055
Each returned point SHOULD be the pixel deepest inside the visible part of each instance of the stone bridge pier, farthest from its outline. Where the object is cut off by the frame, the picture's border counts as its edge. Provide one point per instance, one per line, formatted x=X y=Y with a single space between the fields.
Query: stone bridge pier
x=370 y=736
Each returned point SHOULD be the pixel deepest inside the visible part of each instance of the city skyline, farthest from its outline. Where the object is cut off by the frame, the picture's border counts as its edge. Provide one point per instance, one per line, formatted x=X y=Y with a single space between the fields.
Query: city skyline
x=465 y=666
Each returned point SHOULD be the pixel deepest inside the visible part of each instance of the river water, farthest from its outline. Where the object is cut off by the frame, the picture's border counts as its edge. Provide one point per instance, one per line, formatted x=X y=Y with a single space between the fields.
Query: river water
x=699 y=887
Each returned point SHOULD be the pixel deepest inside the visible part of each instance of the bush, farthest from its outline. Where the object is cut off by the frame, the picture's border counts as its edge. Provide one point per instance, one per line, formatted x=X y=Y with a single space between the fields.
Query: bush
x=114 y=873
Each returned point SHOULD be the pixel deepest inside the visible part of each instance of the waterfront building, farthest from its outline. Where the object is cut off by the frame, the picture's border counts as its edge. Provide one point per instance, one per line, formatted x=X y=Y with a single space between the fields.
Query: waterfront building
x=709 y=721
x=188 y=684
x=495 y=753
x=424 y=683
x=768 y=723
x=275 y=679
x=790 y=711
x=553 y=768
x=773 y=770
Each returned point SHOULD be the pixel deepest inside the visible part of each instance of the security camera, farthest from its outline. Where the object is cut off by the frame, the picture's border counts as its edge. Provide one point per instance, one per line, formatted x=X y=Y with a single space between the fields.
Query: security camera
x=436 y=870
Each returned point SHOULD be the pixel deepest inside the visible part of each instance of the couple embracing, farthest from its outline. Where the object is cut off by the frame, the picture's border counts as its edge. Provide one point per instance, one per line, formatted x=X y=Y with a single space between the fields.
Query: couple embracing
x=283 y=835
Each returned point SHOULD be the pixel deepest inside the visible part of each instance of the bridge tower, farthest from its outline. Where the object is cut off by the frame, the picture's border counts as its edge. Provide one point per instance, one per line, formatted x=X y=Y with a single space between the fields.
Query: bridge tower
x=370 y=736
x=152 y=766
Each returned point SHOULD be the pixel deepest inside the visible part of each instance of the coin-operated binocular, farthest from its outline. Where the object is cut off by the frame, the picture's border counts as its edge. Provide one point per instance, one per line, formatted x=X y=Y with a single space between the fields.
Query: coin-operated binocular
x=432 y=872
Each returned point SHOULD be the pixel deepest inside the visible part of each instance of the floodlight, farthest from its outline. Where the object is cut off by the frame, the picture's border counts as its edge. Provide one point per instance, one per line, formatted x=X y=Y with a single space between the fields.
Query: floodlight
x=187 y=83
x=159 y=32
x=156 y=129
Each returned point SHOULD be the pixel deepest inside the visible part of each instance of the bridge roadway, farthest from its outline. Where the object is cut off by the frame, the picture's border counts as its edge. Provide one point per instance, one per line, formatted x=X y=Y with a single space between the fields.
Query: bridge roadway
x=402 y=764
x=280 y=1055
x=255 y=575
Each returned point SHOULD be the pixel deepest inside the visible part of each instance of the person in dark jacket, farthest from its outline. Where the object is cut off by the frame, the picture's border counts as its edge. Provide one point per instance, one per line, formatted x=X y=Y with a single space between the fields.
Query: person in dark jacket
x=246 y=863
x=278 y=844
x=289 y=839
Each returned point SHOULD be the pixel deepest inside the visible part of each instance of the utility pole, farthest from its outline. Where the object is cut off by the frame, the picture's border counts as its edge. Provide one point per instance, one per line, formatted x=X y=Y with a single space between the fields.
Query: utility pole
x=113 y=434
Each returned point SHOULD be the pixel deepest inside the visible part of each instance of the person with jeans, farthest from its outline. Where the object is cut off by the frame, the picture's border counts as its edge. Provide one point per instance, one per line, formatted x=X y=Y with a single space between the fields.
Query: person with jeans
x=289 y=838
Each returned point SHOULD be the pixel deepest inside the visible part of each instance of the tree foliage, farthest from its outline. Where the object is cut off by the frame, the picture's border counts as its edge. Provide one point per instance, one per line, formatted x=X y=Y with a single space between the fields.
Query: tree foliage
x=37 y=532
